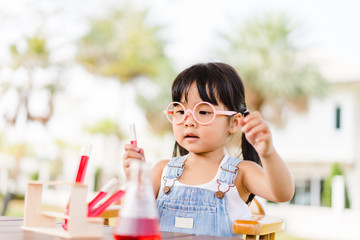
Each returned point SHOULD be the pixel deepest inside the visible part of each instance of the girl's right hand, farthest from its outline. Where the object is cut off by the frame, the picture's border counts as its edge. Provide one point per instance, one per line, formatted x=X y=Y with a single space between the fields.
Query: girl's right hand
x=132 y=153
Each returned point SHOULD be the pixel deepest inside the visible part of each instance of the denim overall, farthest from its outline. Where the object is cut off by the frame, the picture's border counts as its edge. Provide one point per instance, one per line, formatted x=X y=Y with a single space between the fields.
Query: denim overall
x=194 y=210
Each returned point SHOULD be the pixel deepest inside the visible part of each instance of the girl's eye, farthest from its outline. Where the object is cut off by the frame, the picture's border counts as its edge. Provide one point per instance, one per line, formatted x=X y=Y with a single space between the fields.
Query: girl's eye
x=204 y=112
x=180 y=112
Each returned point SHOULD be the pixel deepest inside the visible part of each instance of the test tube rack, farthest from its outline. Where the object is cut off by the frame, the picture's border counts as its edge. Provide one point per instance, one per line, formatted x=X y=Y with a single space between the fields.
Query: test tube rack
x=79 y=225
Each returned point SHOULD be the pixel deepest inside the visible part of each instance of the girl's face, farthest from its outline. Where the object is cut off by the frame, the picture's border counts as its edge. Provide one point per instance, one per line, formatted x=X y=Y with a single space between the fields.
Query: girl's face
x=197 y=138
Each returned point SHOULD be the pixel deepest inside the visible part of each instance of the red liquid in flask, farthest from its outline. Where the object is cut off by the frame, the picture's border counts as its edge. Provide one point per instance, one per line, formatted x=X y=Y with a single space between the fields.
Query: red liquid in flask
x=137 y=229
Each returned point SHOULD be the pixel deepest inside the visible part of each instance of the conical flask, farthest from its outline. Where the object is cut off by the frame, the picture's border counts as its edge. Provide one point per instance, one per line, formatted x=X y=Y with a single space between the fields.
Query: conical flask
x=138 y=218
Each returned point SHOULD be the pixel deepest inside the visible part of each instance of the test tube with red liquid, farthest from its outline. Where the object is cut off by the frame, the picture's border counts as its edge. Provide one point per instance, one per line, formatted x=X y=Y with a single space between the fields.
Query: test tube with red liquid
x=116 y=196
x=138 y=219
x=102 y=193
x=80 y=175
x=133 y=139
x=85 y=154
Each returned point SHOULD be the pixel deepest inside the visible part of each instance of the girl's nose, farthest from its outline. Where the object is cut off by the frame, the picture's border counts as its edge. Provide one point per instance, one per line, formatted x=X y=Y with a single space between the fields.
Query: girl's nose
x=189 y=119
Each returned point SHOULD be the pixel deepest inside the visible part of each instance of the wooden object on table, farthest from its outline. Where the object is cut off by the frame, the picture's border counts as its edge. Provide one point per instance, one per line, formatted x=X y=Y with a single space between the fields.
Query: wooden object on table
x=261 y=225
x=110 y=212
x=78 y=224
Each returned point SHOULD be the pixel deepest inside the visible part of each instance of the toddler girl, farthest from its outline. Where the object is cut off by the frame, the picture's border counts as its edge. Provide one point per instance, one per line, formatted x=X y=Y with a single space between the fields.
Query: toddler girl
x=202 y=189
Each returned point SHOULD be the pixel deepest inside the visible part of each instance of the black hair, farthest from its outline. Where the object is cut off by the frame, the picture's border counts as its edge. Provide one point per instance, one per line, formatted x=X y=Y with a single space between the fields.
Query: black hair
x=215 y=81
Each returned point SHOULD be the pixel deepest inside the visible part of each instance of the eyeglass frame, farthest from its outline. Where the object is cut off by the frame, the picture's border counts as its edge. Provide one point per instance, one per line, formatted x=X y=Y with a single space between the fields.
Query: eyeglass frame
x=216 y=112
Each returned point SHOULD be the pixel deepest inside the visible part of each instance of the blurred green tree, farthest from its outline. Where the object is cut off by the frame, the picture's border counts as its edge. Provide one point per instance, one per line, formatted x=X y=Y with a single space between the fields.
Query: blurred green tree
x=125 y=46
x=106 y=127
x=264 y=53
x=336 y=170
x=35 y=56
x=27 y=58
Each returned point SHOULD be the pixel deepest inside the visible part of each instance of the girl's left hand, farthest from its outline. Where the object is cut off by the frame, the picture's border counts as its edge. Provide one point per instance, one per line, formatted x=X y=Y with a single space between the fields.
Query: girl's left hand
x=257 y=132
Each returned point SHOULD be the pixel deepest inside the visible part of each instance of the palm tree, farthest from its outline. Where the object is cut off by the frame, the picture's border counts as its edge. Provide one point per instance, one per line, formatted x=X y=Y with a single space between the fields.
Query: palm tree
x=126 y=47
x=263 y=52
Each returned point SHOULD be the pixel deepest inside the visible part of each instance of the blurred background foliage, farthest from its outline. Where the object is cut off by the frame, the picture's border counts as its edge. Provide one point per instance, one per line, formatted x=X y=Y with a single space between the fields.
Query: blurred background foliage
x=33 y=57
x=263 y=51
x=106 y=127
x=336 y=170
x=125 y=46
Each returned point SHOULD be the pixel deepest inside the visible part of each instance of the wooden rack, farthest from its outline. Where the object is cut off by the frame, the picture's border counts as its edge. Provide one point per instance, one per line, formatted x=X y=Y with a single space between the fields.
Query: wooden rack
x=78 y=224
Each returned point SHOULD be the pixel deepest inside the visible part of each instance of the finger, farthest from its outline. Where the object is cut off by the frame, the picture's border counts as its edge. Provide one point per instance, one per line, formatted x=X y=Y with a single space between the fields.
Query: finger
x=133 y=155
x=130 y=147
x=127 y=162
x=248 y=118
x=263 y=137
x=252 y=116
x=141 y=152
x=251 y=124
x=257 y=130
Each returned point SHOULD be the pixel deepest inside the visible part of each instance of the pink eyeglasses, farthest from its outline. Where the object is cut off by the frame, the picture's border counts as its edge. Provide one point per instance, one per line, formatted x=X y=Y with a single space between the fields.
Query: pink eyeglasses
x=204 y=113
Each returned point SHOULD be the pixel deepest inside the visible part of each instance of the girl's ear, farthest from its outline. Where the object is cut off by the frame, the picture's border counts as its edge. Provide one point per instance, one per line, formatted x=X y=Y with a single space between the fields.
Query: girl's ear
x=235 y=123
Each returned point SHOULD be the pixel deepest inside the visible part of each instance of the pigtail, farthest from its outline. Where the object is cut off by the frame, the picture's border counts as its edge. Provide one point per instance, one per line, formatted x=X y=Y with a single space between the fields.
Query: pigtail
x=248 y=151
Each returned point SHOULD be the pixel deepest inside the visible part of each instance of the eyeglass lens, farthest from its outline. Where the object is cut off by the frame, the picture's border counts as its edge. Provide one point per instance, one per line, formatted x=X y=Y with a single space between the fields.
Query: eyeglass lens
x=204 y=113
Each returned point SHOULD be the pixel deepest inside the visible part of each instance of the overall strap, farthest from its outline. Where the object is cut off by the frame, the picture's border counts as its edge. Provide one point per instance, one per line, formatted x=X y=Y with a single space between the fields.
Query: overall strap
x=175 y=167
x=229 y=170
x=227 y=176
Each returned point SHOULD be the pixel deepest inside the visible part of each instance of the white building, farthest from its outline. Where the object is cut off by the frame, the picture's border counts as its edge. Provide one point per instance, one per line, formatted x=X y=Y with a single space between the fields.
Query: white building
x=310 y=143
